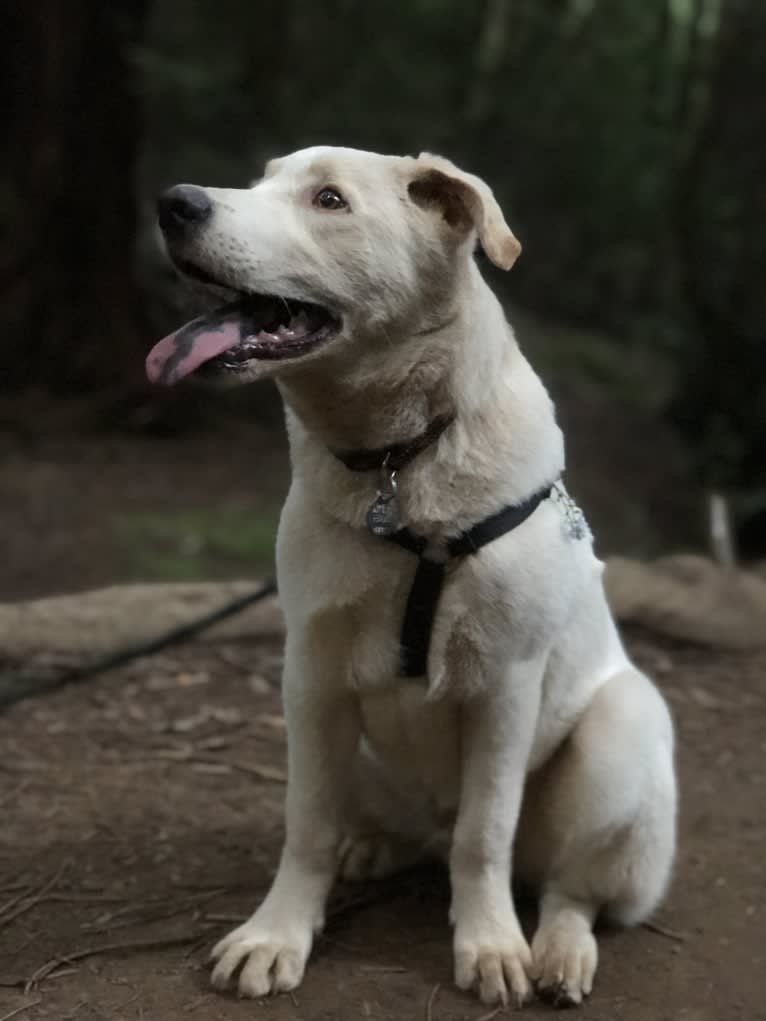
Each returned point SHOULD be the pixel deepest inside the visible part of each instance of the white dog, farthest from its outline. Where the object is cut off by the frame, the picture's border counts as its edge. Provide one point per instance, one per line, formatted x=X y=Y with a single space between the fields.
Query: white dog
x=453 y=677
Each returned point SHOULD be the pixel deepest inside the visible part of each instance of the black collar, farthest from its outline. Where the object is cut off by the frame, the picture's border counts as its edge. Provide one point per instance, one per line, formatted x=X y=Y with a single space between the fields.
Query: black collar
x=398 y=455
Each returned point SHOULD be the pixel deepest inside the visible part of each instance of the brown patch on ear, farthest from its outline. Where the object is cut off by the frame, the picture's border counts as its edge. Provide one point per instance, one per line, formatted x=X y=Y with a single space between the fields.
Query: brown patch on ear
x=466 y=203
x=435 y=190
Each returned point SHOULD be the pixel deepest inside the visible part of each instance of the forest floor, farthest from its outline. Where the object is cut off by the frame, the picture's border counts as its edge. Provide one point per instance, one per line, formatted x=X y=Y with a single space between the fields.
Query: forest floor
x=142 y=818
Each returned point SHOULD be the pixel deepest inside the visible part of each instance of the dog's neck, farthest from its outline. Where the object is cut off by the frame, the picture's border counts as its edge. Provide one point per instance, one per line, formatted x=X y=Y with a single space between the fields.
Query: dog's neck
x=397 y=387
x=503 y=445
x=373 y=410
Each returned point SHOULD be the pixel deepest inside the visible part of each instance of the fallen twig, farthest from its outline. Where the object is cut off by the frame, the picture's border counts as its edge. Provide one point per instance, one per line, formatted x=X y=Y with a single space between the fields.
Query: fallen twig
x=196 y=946
x=27 y=903
x=14 y=887
x=18 y=1010
x=661 y=930
x=153 y=911
x=492 y=1014
x=83 y=898
x=431 y=998
x=130 y=946
x=54 y=975
x=270 y=773
x=9 y=904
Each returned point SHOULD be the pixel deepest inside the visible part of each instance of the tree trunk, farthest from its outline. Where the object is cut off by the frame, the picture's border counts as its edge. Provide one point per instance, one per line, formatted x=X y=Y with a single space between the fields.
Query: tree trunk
x=71 y=304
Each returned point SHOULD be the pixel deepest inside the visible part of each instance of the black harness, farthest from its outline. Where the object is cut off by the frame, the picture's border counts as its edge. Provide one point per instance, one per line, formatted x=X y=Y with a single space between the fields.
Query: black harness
x=427 y=585
x=423 y=599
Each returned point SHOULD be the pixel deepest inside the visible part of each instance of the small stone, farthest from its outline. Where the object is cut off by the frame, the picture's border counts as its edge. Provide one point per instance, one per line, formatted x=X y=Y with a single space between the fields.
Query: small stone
x=258 y=685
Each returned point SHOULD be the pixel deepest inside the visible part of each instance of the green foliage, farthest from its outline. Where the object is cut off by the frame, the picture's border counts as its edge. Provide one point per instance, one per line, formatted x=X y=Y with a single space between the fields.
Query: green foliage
x=194 y=545
x=636 y=373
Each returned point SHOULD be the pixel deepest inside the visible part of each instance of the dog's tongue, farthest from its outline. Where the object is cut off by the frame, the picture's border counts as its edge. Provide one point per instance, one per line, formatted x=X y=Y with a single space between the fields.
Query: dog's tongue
x=180 y=353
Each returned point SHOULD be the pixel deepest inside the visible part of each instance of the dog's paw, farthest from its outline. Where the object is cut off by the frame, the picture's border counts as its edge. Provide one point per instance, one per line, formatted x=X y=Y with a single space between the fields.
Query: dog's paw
x=272 y=955
x=564 y=955
x=372 y=857
x=496 y=963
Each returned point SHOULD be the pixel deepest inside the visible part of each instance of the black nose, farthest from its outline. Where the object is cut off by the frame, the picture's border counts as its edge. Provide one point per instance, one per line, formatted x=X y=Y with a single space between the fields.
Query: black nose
x=183 y=207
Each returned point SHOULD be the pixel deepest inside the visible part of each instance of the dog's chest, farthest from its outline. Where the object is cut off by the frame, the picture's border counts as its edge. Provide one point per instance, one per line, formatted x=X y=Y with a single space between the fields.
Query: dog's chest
x=417 y=739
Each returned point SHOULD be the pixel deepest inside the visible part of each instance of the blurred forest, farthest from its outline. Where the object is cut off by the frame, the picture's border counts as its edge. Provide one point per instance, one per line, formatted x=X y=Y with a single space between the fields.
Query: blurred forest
x=625 y=140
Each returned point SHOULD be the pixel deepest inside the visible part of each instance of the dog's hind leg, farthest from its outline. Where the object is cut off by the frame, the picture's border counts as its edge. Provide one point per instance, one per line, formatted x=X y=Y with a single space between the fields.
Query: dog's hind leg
x=598 y=831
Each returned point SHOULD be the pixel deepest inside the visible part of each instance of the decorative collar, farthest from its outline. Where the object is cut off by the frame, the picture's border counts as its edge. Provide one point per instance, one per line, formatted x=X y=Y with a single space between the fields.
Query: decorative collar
x=398 y=455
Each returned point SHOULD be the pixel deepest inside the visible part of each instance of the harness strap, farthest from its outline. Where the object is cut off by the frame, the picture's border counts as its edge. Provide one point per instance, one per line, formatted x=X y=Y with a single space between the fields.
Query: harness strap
x=419 y=616
x=423 y=598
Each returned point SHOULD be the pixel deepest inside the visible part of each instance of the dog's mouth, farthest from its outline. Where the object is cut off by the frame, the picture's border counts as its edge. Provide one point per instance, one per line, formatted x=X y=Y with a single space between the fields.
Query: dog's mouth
x=254 y=327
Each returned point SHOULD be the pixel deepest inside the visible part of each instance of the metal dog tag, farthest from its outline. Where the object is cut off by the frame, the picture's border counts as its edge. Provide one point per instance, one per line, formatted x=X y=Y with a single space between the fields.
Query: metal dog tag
x=383 y=516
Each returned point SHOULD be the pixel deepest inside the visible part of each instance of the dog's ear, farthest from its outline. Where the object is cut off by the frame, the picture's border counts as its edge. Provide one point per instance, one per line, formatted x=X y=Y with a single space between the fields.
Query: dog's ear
x=466 y=203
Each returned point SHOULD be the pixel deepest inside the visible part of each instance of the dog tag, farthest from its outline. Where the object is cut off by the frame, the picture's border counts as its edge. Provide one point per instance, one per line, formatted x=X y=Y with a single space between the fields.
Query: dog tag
x=383 y=517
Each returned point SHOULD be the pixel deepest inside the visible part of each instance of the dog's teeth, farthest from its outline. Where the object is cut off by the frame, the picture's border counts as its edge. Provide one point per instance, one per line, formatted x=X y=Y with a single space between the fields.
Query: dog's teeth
x=297 y=327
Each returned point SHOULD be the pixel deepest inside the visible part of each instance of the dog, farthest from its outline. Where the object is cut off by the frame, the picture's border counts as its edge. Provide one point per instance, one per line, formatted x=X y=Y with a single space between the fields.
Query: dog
x=454 y=682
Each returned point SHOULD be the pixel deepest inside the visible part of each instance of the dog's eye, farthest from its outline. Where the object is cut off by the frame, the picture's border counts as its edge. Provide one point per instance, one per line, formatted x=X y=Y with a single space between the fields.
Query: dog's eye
x=329 y=198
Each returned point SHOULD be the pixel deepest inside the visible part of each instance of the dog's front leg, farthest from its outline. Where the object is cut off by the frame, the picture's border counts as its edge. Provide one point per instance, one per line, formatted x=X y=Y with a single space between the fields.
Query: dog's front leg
x=496 y=731
x=323 y=732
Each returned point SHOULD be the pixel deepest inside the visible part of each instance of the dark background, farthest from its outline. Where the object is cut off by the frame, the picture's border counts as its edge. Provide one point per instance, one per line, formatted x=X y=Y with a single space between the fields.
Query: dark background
x=624 y=140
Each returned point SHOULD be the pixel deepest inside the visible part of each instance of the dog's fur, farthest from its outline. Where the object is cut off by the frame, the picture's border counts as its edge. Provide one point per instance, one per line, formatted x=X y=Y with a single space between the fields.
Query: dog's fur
x=536 y=748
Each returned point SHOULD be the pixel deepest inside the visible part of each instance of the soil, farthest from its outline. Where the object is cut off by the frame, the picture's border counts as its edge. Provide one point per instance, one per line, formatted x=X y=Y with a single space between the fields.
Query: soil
x=142 y=817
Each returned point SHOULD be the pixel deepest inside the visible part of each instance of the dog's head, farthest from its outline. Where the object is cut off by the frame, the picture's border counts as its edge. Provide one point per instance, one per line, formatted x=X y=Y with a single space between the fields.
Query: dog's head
x=331 y=247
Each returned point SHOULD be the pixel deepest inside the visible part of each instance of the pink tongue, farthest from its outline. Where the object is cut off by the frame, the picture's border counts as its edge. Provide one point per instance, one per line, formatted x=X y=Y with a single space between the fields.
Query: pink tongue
x=182 y=352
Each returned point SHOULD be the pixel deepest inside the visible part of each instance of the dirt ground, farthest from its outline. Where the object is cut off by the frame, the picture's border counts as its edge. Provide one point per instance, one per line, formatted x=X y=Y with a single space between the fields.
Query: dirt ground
x=142 y=817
